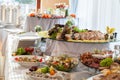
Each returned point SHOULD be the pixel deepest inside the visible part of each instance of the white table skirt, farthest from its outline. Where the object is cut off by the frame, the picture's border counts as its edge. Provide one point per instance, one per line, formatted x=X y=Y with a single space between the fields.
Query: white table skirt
x=13 y=71
x=46 y=24
x=55 y=47
x=3 y=38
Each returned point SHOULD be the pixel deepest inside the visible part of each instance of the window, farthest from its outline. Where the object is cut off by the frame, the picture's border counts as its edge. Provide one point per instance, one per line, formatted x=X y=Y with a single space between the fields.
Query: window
x=25 y=1
x=23 y=7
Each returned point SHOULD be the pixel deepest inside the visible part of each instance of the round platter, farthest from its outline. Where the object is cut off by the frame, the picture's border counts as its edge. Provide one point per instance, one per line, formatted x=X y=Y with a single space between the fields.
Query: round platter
x=47 y=76
x=28 y=63
x=88 y=60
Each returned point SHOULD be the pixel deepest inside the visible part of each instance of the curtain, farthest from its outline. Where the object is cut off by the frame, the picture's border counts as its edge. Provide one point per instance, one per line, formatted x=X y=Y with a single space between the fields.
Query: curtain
x=97 y=14
x=84 y=12
x=73 y=5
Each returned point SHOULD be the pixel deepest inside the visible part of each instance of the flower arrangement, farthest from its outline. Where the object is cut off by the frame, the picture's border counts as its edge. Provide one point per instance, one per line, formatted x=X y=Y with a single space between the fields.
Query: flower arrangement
x=111 y=34
x=61 y=5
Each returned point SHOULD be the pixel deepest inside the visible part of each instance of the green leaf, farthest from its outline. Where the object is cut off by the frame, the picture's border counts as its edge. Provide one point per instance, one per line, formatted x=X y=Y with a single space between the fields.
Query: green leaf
x=69 y=23
x=106 y=62
x=76 y=29
x=53 y=36
x=45 y=70
x=20 y=51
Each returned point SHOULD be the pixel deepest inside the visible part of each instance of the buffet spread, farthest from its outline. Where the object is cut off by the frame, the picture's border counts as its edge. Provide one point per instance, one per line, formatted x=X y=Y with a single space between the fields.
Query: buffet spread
x=45 y=67
x=106 y=62
x=35 y=64
x=62 y=67
x=71 y=33
x=40 y=66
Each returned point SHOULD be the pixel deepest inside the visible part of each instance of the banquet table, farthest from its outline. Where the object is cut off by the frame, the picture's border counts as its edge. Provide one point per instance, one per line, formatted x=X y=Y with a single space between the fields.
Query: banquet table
x=45 y=23
x=14 y=71
x=57 y=47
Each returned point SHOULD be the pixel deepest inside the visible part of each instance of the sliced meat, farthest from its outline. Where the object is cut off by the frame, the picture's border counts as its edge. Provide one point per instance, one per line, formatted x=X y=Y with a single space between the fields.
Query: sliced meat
x=92 y=35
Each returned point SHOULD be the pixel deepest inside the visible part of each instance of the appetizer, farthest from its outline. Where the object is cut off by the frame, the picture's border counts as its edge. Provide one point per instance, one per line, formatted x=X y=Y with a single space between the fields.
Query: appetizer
x=89 y=60
x=46 y=73
x=63 y=63
x=28 y=59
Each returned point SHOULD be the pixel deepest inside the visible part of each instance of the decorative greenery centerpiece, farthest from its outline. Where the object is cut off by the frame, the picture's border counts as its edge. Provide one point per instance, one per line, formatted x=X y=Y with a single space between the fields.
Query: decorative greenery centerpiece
x=38 y=28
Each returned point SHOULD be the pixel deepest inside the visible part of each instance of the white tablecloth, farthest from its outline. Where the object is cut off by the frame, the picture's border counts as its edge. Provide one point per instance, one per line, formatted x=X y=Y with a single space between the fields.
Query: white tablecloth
x=13 y=71
x=46 y=24
x=3 y=38
x=55 y=47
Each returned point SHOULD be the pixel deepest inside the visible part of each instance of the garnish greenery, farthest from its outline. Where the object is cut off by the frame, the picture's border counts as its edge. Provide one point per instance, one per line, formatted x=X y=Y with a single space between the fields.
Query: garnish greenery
x=106 y=62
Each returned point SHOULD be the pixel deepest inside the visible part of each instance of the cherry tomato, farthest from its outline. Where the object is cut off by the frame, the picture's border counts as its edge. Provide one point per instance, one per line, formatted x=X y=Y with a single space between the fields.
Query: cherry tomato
x=55 y=63
x=26 y=49
x=41 y=60
x=16 y=59
x=31 y=49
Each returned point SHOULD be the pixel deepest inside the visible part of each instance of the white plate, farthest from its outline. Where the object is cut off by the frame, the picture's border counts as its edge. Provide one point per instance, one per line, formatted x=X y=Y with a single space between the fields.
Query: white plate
x=28 y=36
x=31 y=34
